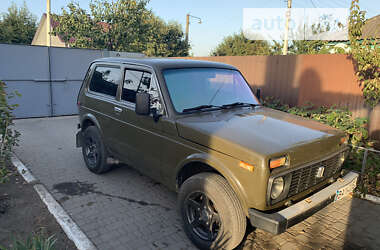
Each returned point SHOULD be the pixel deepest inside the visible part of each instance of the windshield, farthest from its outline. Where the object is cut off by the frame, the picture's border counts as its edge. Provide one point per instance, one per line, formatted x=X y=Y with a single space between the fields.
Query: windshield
x=192 y=87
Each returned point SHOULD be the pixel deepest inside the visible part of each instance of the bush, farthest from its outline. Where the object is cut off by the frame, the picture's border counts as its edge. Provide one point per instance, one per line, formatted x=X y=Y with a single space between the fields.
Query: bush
x=8 y=136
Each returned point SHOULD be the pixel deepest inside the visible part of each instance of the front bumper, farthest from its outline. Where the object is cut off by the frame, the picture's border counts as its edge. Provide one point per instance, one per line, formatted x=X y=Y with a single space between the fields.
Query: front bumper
x=278 y=222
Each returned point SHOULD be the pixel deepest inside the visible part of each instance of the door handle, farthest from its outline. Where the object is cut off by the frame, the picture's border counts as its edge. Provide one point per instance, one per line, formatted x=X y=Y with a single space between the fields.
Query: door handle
x=117 y=109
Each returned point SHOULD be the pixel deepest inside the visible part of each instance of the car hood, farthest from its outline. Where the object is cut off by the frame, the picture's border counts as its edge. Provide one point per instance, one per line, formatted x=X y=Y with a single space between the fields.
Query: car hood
x=248 y=134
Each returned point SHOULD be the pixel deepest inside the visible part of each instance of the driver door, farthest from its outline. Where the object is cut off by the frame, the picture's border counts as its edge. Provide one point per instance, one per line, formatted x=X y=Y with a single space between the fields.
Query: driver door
x=139 y=139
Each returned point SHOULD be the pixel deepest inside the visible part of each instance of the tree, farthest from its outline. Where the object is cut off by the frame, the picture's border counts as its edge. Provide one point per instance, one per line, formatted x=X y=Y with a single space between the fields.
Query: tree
x=166 y=39
x=17 y=26
x=239 y=45
x=366 y=55
x=122 y=25
x=325 y=24
x=307 y=47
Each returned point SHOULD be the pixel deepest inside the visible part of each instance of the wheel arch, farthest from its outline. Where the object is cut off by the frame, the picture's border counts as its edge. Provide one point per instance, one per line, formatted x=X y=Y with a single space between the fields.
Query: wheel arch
x=89 y=120
x=199 y=163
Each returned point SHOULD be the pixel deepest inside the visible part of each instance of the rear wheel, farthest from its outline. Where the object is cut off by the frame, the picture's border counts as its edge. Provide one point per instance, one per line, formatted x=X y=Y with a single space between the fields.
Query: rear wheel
x=94 y=152
x=211 y=212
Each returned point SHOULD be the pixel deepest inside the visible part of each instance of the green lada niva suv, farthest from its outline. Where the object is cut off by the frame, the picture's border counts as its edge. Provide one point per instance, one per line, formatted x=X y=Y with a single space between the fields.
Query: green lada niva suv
x=198 y=128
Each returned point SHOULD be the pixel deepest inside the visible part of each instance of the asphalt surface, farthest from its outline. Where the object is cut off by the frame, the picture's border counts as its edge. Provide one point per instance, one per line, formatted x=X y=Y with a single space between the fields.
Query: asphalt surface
x=123 y=209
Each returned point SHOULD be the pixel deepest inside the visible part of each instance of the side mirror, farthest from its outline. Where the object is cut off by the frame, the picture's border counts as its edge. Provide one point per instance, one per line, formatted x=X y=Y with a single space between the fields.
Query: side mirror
x=258 y=93
x=142 y=103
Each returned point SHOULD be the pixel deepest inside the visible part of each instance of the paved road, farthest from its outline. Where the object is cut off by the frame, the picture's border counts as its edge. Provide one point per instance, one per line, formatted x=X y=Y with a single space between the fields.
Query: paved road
x=125 y=210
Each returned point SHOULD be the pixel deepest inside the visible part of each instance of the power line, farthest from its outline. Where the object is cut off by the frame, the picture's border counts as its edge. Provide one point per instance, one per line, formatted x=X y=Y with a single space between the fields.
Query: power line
x=327 y=4
x=313 y=3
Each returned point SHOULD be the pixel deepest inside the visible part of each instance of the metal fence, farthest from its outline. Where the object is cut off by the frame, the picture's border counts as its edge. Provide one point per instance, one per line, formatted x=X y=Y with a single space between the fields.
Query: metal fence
x=367 y=162
x=48 y=78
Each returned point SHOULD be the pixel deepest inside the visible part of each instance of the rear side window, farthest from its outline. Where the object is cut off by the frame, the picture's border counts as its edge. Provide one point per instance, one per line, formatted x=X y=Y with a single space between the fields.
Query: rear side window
x=105 y=80
x=135 y=81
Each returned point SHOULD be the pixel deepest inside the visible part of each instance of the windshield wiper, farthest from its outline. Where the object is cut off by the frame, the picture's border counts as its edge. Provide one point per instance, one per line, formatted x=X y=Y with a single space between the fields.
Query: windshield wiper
x=201 y=107
x=235 y=104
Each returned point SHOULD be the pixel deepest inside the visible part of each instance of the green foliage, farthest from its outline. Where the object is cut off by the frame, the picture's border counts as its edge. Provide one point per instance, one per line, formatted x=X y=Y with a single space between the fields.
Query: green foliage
x=4 y=174
x=308 y=47
x=8 y=136
x=371 y=178
x=335 y=117
x=298 y=47
x=34 y=242
x=17 y=26
x=121 y=25
x=166 y=39
x=366 y=54
x=238 y=45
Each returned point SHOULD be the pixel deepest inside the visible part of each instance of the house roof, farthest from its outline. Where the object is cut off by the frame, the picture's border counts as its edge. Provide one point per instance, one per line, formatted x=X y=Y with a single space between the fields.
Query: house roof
x=42 y=20
x=371 y=29
x=54 y=23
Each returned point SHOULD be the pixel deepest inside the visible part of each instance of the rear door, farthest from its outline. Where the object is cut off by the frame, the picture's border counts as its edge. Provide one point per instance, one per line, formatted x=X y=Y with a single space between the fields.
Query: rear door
x=101 y=100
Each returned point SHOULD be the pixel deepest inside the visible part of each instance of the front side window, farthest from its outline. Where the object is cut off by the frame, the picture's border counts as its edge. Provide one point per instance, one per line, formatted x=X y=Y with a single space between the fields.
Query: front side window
x=140 y=81
x=134 y=81
x=105 y=80
x=192 y=87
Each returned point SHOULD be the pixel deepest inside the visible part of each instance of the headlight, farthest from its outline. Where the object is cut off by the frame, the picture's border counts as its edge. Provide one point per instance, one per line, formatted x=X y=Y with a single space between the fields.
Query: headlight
x=342 y=157
x=277 y=187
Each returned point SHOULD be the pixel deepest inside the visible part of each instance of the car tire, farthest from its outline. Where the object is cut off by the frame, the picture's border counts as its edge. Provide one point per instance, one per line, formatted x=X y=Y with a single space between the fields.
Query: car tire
x=220 y=222
x=94 y=152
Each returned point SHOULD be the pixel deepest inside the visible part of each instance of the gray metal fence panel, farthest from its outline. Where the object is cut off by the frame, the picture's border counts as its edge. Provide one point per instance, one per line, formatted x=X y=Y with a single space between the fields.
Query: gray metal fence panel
x=25 y=69
x=65 y=97
x=34 y=100
x=68 y=68
x=48 y=78
x=23 y=62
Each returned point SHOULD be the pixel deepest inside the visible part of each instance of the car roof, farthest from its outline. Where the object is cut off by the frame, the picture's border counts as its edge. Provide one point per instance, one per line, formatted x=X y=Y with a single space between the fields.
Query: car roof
x=166 y=63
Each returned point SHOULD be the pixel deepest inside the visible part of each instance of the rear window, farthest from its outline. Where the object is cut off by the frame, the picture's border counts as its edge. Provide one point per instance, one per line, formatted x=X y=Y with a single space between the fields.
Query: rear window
x=105 y=80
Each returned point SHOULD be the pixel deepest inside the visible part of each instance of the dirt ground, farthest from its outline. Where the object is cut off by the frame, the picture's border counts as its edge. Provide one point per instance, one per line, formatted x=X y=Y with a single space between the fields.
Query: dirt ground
x=22 y=212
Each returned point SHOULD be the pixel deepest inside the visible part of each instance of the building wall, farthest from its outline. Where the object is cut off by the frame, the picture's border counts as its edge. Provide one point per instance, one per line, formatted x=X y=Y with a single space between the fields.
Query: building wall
x=40 y=36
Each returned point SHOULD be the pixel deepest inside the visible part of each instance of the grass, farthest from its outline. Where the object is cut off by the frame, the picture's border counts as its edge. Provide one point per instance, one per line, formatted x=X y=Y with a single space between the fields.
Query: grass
x=4 y=174
x=36 y=241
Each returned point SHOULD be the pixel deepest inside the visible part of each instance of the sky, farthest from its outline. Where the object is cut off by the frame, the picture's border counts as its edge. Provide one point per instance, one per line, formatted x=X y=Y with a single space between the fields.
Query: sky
x=220 y=18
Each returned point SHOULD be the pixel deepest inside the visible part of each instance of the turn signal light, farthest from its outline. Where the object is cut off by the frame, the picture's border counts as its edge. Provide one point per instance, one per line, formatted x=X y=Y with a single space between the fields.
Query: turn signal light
x=344 y=140
x=246 y=166
x=277 y=162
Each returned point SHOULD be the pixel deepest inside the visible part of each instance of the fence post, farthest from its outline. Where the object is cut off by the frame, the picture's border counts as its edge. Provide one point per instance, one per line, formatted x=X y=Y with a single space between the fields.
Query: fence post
x=50 y=84
x=364 y=163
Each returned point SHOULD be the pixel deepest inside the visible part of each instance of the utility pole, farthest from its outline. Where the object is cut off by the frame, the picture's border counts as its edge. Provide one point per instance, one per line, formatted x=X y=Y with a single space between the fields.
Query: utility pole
x=187 y=28
x=188 y=24
x=285 y=48
x=48 y=26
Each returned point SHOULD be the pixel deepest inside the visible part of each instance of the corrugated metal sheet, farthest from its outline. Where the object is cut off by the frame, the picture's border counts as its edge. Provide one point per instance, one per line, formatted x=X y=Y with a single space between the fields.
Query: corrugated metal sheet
x=48 y=78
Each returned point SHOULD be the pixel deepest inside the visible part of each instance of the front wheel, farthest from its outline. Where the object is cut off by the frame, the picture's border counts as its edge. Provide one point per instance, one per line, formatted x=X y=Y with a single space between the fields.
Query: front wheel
x=211 y=212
